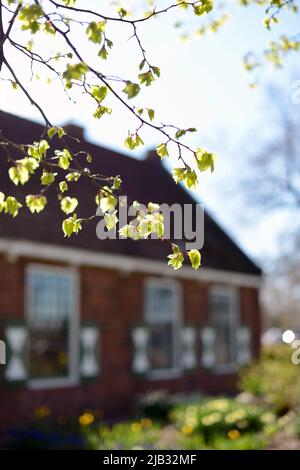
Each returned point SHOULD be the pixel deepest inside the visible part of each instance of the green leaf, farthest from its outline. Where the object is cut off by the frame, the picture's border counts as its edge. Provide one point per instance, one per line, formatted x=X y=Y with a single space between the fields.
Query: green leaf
x=95 y=31
x=63 y=186
x=205 y=7
x=38 y=150
x=51 y=132
x=36 y=203
x=205 y=160
x=195 y=258
x=73 y=176
x=156 y=71
x=176 y=259
x=71 y=225
x=111 y=220
x=12 y=206
x=133 y=141
x=74 y=72
x=146 y=78
x=151 y=114
x=18 y=174
x=187 y=175
x=2 y=201
x=64 y=158
x=131 y=89
x=23 y=169
x=60 y=132
x=191 y=178
x=68 y=204
x=107 y=203
x=178 y=174
x=101 y=111
x=162 y=150
x=29 y=16
x=122 y=12
x=117 y=183
x=142 y=64
x=103 y=53
x=99 y=92
x=47 y=178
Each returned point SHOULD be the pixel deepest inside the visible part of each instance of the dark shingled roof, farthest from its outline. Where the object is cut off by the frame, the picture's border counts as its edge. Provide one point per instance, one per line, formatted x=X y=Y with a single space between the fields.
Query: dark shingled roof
x=143 y=180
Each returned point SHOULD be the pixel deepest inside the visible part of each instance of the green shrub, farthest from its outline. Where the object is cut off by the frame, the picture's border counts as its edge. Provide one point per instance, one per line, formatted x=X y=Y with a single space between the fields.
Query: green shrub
x=141 y=434
x=223 y=417
x=274 y=378
x=246 y=442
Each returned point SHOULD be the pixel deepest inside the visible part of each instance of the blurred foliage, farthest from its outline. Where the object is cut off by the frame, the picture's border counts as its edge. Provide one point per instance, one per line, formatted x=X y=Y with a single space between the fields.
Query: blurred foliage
x=274 y=378
x=218 y=418
x=126 y=435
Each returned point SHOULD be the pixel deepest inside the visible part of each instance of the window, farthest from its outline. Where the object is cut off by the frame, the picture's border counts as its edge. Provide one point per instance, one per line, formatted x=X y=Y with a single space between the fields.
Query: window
x=162 y=305
x=224 y=317
x=52 y=323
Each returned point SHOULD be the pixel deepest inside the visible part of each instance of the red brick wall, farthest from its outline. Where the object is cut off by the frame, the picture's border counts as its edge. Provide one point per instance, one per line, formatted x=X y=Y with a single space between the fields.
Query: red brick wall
x=116 y=301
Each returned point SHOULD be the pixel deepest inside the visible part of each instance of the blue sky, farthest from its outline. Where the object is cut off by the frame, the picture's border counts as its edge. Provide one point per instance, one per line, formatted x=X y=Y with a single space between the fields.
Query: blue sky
x=203 y=84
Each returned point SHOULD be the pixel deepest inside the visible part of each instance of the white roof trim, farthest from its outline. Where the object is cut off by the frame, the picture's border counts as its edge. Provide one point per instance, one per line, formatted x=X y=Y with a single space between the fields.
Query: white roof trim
x=76 y=256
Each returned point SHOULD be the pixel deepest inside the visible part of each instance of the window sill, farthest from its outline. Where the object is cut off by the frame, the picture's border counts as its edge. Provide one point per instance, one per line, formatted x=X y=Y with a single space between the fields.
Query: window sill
x=39 y=384
x=164 y=374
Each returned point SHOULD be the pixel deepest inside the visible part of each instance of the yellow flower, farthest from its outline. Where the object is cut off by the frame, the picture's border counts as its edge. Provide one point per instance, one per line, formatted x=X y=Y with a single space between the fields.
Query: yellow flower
x=236 y=415
x=221 y=404
x=42 y=412
x=136 y=427
x=86 y=418
x=211 y=419
x=234 y=434
x=187 y=429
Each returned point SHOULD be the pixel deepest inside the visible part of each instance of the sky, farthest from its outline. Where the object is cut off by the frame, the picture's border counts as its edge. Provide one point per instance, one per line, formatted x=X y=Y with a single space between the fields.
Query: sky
x=203 y=84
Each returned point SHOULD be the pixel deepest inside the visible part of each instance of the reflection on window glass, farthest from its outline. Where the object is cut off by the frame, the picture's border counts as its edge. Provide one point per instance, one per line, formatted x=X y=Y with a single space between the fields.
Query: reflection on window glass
x=50 y=306
x=161 y=315
x=222 y=312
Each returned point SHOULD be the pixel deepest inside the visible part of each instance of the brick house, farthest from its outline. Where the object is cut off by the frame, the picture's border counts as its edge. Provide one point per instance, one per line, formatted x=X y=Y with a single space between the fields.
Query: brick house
x=91 y=323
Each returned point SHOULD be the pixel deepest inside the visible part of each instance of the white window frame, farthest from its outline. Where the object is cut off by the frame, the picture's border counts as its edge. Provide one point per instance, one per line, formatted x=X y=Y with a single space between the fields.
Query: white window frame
x=176 y=370
x=73 y=344
x=232 y=294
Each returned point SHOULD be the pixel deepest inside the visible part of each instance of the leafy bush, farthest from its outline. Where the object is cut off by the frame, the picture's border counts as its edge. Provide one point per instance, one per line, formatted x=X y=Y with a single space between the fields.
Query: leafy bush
x=220 y=417
x=274 y=378
x=141 y=434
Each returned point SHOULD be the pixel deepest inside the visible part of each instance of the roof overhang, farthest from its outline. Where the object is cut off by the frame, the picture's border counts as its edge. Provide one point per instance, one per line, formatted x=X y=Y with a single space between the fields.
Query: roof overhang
x=14 y=249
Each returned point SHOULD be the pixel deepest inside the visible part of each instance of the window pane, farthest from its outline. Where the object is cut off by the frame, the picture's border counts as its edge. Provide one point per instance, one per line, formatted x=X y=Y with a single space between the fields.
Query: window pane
x=159 y=303
x=161 y=350
x=50 y=308
x=223 y=322
x=223 y=354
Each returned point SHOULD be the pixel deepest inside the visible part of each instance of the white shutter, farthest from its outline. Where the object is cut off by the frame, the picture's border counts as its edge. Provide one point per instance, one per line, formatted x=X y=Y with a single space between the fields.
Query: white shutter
x=188 y=338
x=244 y=345
x=208 y=338
x=140 y=340
x=89 y=365
x=16 y=340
